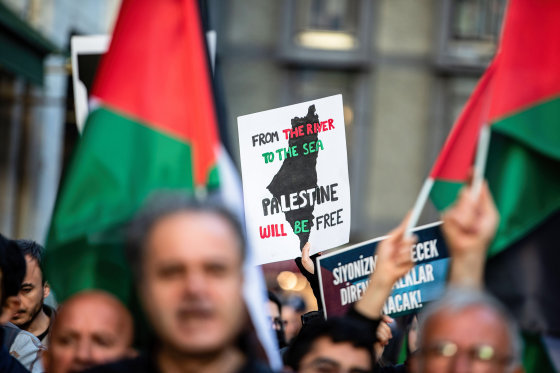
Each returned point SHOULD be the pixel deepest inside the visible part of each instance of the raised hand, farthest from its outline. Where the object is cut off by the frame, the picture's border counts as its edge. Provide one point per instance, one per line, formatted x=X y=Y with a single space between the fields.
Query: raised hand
x=306 y=259
x=383 y=335
x=470 y=224
x=469 y=227
x=394 y=260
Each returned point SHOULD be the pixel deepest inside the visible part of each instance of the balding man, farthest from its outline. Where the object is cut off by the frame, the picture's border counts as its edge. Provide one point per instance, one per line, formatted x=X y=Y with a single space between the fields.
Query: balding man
x=91 y=328
x=467 y=331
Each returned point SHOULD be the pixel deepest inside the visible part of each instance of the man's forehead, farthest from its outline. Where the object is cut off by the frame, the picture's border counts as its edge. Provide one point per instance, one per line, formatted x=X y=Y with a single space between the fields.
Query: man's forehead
x=342 y=351
x=31 y=260
x=91 y=308
x=467 y=312
x=476 y=323
x=33 y=267
x=273 y=308
x=326 y=342
x=193 y=228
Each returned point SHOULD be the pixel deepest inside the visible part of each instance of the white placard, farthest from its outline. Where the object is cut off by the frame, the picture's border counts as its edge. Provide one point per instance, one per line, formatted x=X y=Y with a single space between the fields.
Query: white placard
x=89 y=48
x=295 y=178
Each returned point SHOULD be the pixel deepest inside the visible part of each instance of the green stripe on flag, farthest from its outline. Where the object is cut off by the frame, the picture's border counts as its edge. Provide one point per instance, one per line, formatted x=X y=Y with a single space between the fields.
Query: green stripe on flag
x=444 y=193
x=117 y=164
x=91 y=263
x=535 y=357
x=525 y=185
x=214 y=176
x=128 y=160
x=537 y=127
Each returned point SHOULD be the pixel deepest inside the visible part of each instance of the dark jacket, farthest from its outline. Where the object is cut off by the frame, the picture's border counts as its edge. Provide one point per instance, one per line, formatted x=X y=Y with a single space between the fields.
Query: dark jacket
x=145 y=364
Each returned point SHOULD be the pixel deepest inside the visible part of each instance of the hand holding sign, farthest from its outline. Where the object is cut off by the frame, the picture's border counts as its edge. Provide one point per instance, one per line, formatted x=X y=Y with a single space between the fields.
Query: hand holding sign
x=383 y=335
x=345 y=275
x=306 y=260
x=468 y=227
x=295 y=178
x=394 y=260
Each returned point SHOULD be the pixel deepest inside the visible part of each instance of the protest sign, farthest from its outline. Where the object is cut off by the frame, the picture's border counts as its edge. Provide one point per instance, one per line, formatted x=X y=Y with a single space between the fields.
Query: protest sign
x=344 y=275
x=295 y=178
x=86 y=52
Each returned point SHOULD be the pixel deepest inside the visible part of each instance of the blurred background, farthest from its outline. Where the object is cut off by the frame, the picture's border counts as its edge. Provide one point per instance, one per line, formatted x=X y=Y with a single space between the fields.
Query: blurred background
x=404 y=68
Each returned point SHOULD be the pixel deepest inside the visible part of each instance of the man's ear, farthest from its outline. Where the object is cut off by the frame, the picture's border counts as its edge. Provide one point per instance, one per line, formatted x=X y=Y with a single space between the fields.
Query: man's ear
x=11 y=307
x=46 y=289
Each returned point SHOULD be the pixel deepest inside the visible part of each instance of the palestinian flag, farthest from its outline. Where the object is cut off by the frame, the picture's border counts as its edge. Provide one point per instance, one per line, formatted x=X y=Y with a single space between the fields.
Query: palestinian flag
x=519 y=98
x=154 y=127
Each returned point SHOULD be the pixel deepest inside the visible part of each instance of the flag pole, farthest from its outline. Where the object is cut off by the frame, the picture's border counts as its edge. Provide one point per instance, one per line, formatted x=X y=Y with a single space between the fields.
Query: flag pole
x=480 y=160
x=419 y=206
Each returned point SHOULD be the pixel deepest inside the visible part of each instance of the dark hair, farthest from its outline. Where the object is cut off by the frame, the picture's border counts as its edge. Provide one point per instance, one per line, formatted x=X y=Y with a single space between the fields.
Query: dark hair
x=274 y=299
x=34 y=250
x=164 y=203
x=296 y=302
x=12 y=266
x=337 y=329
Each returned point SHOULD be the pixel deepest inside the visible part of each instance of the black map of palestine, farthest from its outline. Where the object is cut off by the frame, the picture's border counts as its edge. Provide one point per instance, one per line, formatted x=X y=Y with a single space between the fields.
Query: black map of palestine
x=297 y=174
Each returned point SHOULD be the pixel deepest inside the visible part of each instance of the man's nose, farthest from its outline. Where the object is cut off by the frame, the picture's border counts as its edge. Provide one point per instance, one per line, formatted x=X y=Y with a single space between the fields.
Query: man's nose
x=84 y=353
x=195 y=282
x=461 y=363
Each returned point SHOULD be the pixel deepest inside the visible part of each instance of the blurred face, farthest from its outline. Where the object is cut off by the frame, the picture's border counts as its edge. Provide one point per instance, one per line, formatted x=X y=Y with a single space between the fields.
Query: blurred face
x=326 y=356
x=88 y=331
x=31 y=295
x=191 y=286
x=277 y=323
x=293 y=322
x=473 y=340
x=274 y=312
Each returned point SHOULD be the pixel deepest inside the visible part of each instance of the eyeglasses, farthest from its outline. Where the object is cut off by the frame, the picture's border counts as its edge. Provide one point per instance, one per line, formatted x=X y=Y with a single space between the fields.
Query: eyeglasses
x=323 y=365
x=278 y=323
x=481 y=354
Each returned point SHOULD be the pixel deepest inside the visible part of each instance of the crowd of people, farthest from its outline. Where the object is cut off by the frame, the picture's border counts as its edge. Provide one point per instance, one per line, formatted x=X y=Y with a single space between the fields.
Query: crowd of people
x=187 y=258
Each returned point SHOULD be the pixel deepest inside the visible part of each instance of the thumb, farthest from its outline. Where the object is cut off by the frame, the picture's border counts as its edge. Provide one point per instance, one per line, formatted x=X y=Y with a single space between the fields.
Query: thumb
x=306 y=260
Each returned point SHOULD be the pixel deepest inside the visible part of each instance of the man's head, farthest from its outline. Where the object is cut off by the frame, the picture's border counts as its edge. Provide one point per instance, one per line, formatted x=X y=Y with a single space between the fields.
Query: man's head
x=91 y=328
x=467 y=331
x=275 y=312
x=188 y=259
x=12 y=272
x=333 y=345
x=292 y=311
x=34 y=288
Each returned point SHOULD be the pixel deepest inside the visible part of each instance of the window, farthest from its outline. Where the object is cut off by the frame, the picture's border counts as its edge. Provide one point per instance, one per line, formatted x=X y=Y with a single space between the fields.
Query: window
x=326 y=33
x=469 y=33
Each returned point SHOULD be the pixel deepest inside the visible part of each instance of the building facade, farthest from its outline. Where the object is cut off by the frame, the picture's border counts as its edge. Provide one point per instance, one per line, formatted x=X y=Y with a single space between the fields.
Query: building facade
x=404 y=68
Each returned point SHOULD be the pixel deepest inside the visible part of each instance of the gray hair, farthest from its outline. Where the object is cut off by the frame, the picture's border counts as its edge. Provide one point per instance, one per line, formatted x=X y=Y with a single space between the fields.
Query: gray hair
x=456 y=299
x=164 y=203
